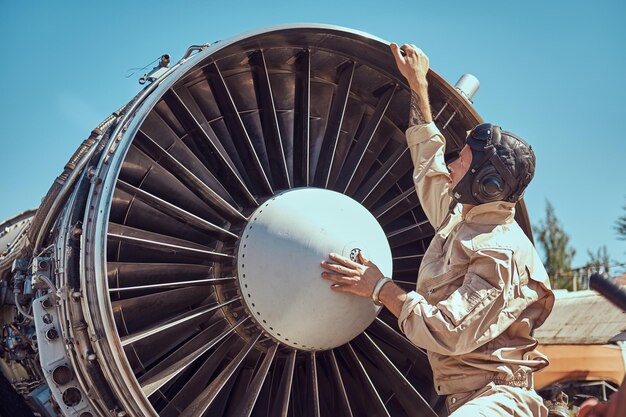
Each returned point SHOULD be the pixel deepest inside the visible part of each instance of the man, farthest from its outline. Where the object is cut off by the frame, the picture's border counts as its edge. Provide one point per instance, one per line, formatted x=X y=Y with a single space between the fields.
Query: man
x=481 y=288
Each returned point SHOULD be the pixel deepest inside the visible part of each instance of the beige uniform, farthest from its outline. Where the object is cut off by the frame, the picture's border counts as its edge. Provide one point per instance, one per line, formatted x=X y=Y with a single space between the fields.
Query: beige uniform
x=481 y=290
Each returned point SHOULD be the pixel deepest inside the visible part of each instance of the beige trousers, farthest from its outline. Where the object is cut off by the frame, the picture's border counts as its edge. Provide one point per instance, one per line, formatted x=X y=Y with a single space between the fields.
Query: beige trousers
x=495 y=401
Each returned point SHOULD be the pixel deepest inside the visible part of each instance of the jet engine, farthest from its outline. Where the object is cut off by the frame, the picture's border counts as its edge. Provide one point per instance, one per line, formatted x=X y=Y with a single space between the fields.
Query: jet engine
x=173 y=267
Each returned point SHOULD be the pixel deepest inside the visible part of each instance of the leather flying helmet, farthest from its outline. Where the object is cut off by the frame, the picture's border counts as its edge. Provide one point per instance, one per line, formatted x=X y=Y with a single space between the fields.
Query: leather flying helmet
x=502 y=166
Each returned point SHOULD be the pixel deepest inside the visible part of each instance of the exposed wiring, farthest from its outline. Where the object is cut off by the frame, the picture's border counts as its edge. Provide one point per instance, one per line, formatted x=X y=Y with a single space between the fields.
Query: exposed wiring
x=48 y=282
x=21 y=310
x=134 y=70
x=44 y=250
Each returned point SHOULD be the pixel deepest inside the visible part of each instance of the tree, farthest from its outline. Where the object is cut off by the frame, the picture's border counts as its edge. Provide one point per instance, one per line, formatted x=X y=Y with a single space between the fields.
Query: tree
x=599 y=261
x=620 y=226
x=558 y=253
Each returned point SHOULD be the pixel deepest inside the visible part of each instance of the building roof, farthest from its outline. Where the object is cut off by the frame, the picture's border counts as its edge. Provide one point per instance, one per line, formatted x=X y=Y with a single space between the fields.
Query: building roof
x=621 y=279
x=582 y=317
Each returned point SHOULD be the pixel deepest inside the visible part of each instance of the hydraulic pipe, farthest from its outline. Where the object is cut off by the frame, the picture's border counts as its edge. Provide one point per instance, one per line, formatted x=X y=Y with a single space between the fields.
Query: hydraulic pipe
x=605 y=285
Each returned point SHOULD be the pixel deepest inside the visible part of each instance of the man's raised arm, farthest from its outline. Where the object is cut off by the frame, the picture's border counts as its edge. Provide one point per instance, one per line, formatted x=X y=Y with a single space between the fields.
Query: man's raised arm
x=426 y=143
x=413 y=65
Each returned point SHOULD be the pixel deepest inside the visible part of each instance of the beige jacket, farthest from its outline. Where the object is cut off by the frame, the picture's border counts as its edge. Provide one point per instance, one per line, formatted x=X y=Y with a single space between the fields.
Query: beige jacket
x=481 y=287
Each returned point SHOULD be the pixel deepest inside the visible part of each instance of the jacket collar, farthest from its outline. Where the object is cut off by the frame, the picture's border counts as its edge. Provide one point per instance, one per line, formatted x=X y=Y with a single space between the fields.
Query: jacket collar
x=496 y=212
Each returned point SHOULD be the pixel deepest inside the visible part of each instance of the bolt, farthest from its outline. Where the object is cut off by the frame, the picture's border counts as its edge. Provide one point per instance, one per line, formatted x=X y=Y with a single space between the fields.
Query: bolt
x=52 y=334
x=76 y=295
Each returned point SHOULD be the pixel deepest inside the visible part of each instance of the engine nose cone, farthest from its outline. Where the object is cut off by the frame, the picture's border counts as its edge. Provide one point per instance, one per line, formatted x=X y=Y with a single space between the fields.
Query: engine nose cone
x=278 y=266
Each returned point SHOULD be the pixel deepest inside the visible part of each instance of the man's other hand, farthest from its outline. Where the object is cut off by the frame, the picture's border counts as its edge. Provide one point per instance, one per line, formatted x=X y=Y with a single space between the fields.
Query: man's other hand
x=352 y=277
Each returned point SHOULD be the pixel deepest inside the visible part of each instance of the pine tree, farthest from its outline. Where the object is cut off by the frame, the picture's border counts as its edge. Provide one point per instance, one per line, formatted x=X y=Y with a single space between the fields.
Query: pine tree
x=558 y=253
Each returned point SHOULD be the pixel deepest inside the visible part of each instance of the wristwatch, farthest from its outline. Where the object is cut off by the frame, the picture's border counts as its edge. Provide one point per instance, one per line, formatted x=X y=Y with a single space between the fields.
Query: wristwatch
x=377 y=288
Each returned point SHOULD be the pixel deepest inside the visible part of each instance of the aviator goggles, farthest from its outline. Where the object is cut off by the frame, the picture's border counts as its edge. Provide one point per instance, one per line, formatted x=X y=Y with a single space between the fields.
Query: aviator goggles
x=481 y=136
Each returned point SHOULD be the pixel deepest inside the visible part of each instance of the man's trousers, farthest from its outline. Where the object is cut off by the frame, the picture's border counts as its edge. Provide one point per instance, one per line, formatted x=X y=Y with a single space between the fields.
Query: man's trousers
x=495 y=401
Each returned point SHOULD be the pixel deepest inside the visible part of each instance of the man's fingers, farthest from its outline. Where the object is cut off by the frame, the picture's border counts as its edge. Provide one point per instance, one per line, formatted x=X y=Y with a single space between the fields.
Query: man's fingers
x=409 y=50
x=363 y=259
x=340 y=269
x=338 y=278
x=342 y=283
x=343 y=260
x=395 y=51
x=340 y=288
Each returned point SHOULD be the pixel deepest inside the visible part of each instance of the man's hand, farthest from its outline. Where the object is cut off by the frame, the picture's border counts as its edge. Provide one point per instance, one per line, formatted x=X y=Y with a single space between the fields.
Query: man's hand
x=413 y=65
x=360 y=279
x=352 y=277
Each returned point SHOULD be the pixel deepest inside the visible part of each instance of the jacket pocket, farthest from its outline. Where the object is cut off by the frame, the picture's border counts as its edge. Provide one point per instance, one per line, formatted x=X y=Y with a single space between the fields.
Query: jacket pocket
x=462 y=302
x=432 y=284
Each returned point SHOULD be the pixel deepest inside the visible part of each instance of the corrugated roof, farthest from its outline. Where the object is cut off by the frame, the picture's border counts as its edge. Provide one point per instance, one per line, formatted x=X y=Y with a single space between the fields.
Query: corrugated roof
x=582 y=317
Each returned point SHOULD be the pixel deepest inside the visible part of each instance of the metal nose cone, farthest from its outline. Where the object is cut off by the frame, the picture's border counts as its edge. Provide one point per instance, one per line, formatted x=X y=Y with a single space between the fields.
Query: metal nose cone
x=278 y=267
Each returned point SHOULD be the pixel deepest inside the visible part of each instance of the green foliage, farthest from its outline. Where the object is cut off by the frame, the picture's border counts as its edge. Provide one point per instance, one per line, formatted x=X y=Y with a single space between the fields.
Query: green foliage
x=558 y=253
x=599 y=261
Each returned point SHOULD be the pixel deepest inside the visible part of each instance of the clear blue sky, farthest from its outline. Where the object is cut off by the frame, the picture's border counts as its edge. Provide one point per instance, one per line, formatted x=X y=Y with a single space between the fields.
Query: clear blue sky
x=551 y=71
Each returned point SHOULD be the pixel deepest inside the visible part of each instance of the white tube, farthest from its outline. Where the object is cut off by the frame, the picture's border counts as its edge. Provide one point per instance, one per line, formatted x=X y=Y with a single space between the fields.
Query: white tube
x=467 y=85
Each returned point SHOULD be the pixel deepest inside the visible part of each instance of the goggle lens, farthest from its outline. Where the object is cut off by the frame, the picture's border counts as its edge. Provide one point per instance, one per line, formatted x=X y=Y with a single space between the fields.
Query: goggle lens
x=482 y=132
